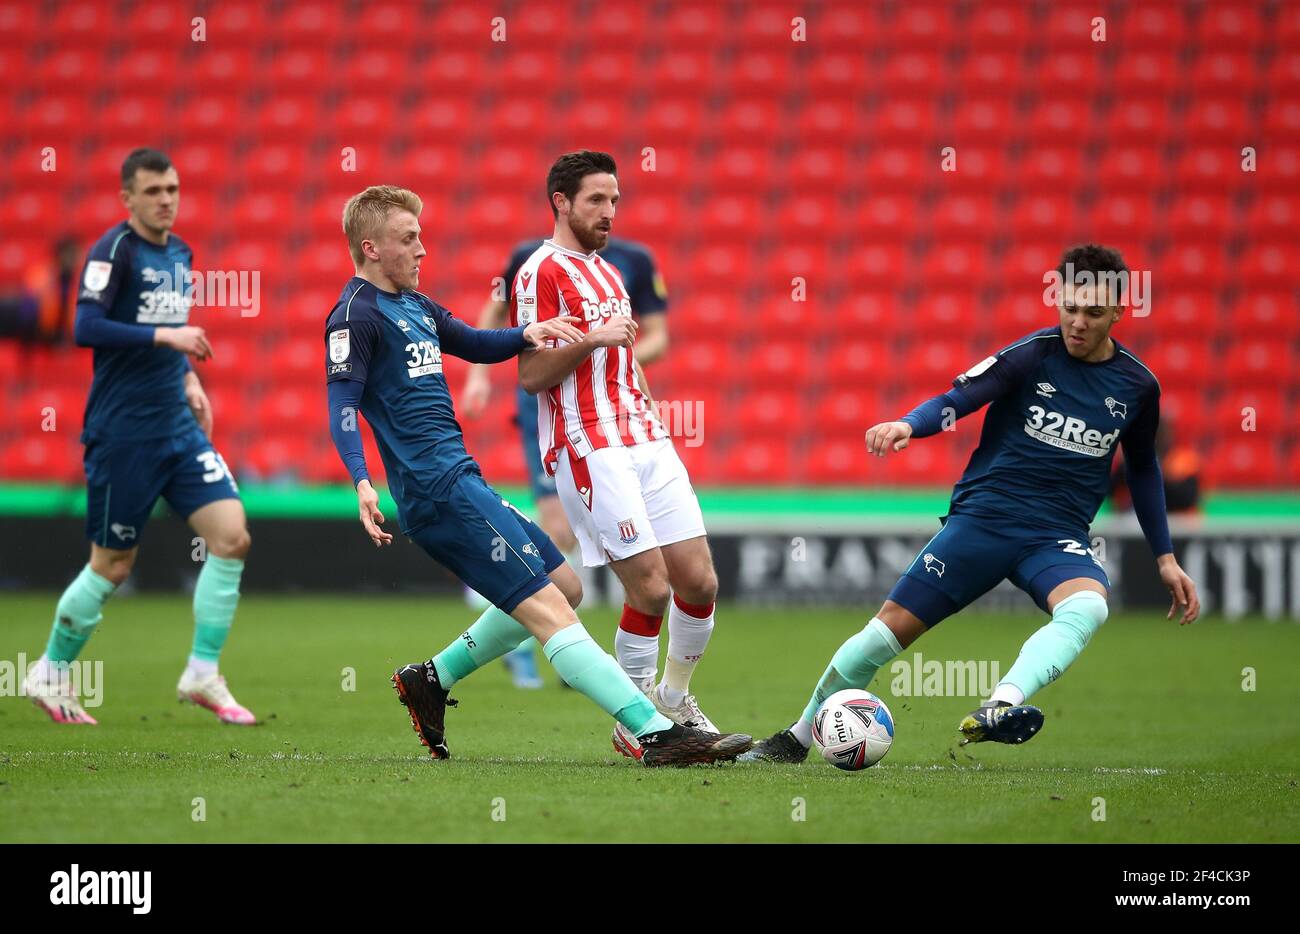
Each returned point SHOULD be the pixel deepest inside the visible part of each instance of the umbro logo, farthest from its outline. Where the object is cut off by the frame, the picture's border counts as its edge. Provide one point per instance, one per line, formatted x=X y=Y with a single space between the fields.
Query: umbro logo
x=401 y=323
x=1046 y=389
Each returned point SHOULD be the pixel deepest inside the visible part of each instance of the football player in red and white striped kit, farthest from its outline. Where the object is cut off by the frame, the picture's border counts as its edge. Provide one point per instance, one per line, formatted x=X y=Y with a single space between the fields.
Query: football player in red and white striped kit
x=623 y=487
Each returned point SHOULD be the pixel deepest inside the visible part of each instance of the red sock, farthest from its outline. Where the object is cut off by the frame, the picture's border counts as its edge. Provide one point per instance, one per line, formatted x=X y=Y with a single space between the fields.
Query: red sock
x=638 y=623
x=698 y=610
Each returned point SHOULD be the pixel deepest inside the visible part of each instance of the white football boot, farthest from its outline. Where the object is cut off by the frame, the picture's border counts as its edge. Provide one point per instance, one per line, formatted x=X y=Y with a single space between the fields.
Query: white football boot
x=687 y=713
x=57 y=698
x=212 y=693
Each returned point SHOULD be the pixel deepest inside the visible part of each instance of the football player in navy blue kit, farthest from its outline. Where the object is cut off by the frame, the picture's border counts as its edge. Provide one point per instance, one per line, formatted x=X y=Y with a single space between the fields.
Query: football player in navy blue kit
x=1060 y=401
x=384 y=343
x=146 y=434
x=645 y=286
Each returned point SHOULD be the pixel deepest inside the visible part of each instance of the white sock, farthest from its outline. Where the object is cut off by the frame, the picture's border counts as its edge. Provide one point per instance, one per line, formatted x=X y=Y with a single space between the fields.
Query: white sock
x=638 y=656
x=201 y=669
x=42 y=669
x=802 y=731
x=1009 y=693
x=688 y=637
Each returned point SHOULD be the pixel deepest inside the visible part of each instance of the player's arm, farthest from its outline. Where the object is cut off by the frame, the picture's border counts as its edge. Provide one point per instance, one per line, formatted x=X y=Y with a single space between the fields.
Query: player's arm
x=478 y=386
x=101 y=280
x=651 y=338
x=1146 y=484
x=497 y=344
x=545 y=367
x=345 y=381
x=198 y=399
x=650 y=302
x=989 y=379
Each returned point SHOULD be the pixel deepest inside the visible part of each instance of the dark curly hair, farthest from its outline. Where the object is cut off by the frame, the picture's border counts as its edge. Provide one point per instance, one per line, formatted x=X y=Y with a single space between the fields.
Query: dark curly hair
x=570 y=169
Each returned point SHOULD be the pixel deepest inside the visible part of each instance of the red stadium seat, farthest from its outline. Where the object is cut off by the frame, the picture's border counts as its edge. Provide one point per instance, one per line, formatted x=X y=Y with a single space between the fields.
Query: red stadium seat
x=988 y=71
x=1156 y=26
x=861 y=362
x=1049 y=167
x=1243 y=461
x=1181 y=363
x=1070 y=71
x=766 y=412
x=762 y=461
x=837 y=74
x=997 y=26
x=1275 y=217
x=1258 y=363
x=1267 y=314
x=1147 y=71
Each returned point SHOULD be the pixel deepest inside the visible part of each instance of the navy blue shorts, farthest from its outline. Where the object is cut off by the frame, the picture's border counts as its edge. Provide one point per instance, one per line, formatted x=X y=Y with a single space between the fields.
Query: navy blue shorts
x=968 y=557
x=125 y=478
x=489 y=544
x=526 y=418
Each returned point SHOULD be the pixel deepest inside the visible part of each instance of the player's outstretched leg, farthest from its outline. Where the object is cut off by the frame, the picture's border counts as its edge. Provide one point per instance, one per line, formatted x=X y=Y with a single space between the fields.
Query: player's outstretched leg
x=854 y=664
x=75 y=618
x=216 y=596
x=423 y=687
x=1004 y=717
x=587 y=668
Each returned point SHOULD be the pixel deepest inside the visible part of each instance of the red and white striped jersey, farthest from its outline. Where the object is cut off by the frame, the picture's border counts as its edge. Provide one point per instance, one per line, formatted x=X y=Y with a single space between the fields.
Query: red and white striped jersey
x=599 y=404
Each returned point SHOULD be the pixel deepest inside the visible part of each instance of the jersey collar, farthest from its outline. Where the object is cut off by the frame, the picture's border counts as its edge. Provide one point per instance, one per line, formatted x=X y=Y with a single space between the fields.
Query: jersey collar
x=567 y=252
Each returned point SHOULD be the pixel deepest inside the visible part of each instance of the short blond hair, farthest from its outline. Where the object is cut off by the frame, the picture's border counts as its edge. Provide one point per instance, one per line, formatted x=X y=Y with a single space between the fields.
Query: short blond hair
x=366 y=213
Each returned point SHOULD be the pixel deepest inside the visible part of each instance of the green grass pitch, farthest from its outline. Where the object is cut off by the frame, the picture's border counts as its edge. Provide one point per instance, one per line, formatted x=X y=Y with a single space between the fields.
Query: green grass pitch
x=1153 y=719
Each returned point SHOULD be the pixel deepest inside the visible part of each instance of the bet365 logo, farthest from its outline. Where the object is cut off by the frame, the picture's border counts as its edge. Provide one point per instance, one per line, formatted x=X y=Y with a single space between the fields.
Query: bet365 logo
x=606 y=309
x=1068 y=433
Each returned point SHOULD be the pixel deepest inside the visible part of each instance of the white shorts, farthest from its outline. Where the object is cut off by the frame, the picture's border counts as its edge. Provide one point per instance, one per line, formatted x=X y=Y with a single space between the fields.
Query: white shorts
x=626 y=500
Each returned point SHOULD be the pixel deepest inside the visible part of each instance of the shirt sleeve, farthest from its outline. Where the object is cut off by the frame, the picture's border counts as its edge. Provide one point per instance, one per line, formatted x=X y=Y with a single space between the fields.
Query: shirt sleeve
x=477 y=346
x=345 y=427
x=650 y=295
x=931 y=416
x=1145 y=480
x=537 y=297
x=997 y=375
x=349 y=348
x=105 y=272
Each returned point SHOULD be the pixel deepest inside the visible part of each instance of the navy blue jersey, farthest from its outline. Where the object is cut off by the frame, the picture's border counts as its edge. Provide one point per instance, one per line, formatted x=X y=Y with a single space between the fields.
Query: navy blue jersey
x=138 y=392
x=392 y=344
x=1050 y=435
x=634 y=262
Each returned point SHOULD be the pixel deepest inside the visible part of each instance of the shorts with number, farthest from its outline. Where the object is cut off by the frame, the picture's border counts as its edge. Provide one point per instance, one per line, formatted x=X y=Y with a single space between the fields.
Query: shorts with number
x=488 y=543
x=125 y=478
x=968 y=557
x=622 y=501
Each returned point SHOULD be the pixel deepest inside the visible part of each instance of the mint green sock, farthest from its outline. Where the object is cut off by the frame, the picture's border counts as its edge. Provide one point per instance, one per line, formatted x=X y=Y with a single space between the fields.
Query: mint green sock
x=592 y=671
x=855 y=663
x=1052 y=649
x=215 y=597
x=492 y=635
x=77 y=615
